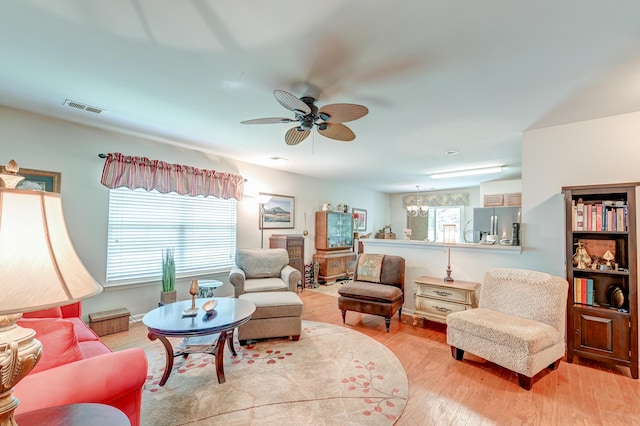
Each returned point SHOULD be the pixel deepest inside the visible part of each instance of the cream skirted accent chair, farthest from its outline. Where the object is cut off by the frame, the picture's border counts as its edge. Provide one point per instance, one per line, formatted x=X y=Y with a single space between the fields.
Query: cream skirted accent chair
x=377 y=287
x=258 y=270
x=519 y=323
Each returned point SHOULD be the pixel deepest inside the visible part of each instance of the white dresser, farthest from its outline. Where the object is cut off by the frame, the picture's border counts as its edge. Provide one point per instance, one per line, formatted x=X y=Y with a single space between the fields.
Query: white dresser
x=435 y=298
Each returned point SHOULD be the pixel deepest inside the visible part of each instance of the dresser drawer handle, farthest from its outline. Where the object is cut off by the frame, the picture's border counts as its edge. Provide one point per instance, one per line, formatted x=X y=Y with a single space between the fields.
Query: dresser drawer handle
x=442 y=293
x=439 y=309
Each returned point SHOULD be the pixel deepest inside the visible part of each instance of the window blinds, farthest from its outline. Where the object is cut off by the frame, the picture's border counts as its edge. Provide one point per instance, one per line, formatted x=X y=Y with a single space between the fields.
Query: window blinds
x=201 y=231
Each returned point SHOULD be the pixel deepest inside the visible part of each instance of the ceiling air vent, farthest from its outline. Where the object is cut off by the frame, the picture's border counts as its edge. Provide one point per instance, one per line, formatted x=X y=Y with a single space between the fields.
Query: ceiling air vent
x=78 y=105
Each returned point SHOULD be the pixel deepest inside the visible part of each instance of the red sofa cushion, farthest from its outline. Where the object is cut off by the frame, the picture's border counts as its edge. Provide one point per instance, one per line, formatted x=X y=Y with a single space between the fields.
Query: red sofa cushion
x=45 y=313
x=59 y=341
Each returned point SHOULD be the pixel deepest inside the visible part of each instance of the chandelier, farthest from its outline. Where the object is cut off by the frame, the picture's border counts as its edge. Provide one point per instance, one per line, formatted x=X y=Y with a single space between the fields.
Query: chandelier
x=417 y=209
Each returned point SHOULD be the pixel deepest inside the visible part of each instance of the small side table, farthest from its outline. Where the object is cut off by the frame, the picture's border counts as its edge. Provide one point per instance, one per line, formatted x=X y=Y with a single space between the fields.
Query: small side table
x=206 y=288
x=436 y=298
x=74 y=415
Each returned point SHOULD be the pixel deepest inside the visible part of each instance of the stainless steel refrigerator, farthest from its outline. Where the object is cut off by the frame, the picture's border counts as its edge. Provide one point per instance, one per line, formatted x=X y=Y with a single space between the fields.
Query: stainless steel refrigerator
x=497 y=222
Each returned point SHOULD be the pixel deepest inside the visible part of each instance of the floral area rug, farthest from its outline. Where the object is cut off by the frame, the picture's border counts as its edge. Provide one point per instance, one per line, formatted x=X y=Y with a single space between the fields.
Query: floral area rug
x=331 y=376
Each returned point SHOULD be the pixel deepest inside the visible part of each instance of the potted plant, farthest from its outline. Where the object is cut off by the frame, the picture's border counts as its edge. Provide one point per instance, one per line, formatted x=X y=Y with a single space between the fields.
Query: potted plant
x=168 y=294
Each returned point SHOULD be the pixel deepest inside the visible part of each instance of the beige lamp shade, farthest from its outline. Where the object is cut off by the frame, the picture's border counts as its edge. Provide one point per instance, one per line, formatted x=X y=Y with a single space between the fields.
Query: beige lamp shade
x=39 y=267
x=449 y=234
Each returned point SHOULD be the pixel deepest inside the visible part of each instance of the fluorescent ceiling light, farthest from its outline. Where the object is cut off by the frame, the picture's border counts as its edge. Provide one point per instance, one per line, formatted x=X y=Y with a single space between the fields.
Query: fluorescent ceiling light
x=469 y=172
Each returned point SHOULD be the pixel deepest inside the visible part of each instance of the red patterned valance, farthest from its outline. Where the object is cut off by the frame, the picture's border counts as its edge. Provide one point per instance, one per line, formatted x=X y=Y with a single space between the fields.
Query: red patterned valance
x=140 y=172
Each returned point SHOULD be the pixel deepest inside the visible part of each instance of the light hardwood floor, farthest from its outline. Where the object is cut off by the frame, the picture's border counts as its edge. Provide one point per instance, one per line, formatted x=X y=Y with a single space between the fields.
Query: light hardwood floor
x=443 y=391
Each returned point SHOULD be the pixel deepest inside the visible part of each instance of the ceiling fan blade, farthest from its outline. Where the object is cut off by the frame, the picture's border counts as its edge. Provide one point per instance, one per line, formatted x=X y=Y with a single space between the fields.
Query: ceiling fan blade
x=295 y=136
x=337 y=131
x=291 y=102
x=270 y=120
x=341 y=113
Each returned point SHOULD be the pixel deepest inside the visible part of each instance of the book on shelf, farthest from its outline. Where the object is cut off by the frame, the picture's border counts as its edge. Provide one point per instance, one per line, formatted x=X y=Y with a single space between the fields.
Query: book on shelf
x=580 y=215
x=620 y=219
x=594 y=217
x=598 y=217
x=583 y=291
x=589 y=291
x=577 y=291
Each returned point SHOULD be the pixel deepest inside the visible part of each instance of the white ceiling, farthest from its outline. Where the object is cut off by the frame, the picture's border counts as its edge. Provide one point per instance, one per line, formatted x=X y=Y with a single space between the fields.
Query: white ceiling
x=436 y=76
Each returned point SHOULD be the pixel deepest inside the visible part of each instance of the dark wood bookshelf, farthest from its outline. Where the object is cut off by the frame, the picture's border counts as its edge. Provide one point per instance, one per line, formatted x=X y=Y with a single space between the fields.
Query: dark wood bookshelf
x=602 y=331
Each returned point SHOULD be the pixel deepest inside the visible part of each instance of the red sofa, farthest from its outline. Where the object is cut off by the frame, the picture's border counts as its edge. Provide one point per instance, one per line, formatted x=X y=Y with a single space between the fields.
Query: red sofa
x=77 y=367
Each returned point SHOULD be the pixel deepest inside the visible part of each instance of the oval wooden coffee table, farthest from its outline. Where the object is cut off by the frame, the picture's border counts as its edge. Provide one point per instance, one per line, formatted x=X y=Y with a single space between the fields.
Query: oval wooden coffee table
x=167 y=321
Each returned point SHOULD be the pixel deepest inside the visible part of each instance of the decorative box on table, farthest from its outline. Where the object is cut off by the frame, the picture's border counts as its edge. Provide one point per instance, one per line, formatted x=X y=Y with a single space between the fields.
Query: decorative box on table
x=386 y=235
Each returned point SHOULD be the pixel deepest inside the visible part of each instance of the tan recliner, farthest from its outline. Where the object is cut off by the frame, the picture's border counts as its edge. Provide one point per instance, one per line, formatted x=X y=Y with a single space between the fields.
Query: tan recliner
x=376 y=293
x=260 y=270
x=519 y=323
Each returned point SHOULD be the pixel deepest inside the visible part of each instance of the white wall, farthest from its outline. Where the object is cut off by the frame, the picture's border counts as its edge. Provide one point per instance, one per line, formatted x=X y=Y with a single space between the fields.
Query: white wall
x=590 y=152
x=37 y=142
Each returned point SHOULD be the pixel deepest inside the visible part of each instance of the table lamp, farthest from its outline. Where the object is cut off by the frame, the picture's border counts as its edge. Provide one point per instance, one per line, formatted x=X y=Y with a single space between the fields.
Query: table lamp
x=262 y=200
x=449 y=239
x=39 y=269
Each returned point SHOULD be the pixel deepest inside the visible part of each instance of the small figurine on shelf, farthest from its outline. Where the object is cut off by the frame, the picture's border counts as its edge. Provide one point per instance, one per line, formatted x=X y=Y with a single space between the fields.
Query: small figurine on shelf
x=581 y=258
x=608 y=256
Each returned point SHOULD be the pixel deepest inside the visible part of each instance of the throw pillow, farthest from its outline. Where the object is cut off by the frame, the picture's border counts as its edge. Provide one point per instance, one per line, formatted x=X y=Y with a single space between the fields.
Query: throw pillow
x=369 y=267
x=59 y=341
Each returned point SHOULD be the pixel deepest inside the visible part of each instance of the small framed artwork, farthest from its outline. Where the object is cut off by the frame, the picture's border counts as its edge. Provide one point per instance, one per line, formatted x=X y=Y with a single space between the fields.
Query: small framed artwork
x=39 y=180
x=359 y=219
x=279 y=212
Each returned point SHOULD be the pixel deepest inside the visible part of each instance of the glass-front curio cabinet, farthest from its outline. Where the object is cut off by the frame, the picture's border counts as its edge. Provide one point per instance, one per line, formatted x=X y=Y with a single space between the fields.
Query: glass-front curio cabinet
x=334 y=241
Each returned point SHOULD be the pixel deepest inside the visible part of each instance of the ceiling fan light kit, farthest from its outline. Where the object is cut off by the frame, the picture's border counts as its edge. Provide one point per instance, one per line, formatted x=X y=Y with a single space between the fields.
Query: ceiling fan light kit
x=468 y=172
x=327 y=119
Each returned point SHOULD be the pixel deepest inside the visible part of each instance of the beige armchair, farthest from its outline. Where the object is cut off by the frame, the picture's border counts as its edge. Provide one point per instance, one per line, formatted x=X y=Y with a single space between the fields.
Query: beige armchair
x=377 y=287
x=259 y=270
x=519 y=323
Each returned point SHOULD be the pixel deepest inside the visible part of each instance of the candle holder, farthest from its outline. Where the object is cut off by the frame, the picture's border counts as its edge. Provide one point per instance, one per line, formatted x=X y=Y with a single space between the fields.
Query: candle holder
x=193 y=291
x=449 y=238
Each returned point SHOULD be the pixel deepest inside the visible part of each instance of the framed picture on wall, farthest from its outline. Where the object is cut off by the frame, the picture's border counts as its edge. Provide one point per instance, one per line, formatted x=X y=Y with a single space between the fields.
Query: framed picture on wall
x=39 y=180
x=359 y=219
x=279 y=212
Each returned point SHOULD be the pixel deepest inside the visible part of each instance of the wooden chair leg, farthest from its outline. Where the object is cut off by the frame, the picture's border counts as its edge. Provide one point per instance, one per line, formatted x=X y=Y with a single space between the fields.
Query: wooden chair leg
x=400 y=314
x=555 y=365
x=296 y=337
x=524 y=381
x=344 y=315
x=387 y=322
x=456 y=353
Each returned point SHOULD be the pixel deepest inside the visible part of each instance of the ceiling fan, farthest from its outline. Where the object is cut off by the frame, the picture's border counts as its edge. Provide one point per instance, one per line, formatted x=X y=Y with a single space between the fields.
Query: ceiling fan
x=327 y=119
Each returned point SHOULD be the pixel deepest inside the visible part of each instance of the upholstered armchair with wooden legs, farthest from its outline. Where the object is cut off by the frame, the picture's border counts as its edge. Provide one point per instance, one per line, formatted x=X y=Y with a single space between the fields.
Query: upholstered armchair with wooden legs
x=377 y=287
x=519 y=323
x=258 y=270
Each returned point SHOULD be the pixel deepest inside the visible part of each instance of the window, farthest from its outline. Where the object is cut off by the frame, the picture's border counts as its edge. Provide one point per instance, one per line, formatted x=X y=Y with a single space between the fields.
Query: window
x=439 y=216
x=201 y=231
